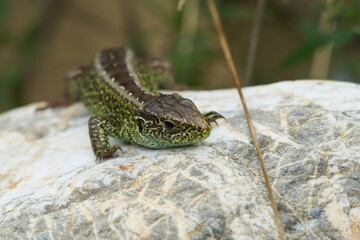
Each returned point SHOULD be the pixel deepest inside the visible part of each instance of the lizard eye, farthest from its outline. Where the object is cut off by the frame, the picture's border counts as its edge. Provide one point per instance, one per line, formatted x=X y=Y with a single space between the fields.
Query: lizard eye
x=140 y=125
x=169 y=125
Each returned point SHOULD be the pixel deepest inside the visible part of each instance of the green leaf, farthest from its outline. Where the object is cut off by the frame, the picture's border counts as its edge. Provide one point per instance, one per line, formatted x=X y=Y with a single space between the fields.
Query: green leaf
x=316 y=40
x=341 y=37
x=305 y=49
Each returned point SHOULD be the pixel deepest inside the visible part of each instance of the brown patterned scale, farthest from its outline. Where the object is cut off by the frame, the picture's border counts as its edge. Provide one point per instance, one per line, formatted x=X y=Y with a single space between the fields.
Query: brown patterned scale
x=116 y=67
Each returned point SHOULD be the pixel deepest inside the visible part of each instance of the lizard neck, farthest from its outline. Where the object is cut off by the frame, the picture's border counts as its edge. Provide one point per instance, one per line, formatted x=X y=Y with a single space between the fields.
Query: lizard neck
x=116 y=68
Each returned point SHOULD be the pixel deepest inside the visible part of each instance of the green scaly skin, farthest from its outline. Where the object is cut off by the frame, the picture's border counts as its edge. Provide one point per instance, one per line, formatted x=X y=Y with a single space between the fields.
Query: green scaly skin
x=120 y=91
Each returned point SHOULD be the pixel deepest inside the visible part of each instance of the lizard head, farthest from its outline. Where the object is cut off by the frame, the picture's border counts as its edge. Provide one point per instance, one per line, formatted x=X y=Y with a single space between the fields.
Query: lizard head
x=171 y=121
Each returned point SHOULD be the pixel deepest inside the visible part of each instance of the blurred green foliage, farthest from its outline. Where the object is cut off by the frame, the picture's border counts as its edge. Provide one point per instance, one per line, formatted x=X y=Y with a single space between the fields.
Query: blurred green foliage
x=23 y=47
x=192 y=55
x=314 y=39
x=346 y=15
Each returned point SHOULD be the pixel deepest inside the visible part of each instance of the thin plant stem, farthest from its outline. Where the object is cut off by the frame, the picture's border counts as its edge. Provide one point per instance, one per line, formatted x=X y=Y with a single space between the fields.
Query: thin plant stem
x=189 y=26
x=225 y=48
x=254 y=37
x=322 y=56
x=180 y=4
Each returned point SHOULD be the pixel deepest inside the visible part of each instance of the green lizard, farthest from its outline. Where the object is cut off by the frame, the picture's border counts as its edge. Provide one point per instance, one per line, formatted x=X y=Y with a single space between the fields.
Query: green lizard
x=120 y=91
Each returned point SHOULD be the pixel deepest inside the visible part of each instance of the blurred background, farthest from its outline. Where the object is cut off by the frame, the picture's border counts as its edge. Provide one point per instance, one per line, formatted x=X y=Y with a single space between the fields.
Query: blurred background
x=40 y=40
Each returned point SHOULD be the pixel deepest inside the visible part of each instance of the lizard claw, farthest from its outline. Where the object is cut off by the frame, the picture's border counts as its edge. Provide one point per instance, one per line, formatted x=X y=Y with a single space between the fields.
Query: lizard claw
x=115 y=148
x=110 y=153
x=212 y=117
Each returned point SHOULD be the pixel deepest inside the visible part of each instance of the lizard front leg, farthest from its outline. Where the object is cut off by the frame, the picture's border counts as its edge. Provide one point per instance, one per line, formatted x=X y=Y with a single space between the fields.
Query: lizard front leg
x=99 y=130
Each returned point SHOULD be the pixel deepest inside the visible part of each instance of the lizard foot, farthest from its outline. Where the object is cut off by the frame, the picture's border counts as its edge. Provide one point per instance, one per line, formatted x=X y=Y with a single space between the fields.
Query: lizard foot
x=62 y=101
x=110 y=153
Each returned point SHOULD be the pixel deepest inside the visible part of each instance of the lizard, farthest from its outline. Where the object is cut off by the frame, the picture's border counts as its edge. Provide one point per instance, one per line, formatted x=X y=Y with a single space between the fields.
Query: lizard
x=120 y=90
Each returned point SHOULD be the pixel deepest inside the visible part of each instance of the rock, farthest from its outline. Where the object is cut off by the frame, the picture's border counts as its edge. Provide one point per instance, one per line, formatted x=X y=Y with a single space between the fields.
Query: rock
x=309 y=133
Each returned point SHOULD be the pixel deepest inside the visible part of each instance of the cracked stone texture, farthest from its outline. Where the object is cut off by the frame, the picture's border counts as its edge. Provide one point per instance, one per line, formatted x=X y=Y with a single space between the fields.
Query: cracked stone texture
x=309 y=133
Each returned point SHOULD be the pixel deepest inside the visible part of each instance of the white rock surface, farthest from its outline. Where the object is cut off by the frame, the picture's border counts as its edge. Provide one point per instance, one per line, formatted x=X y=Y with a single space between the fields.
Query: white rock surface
x=309 y=131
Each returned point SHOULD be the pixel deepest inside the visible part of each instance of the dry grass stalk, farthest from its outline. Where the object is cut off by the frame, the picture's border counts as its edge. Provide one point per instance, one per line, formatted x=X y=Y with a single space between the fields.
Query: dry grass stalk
x=253 y=43
x=322 y=56
x=225 y=47
x=181 y=5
